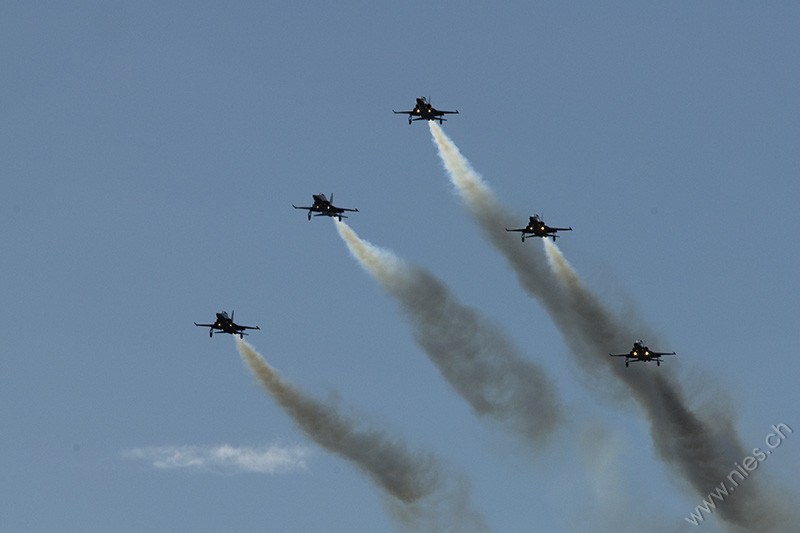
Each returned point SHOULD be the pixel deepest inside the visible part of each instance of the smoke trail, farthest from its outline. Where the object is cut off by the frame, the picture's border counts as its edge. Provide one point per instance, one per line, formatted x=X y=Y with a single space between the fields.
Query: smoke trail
x=532 y=269
x=603 y=458
x=404 y=475
x=472 y=354
x=702 y=455
x=430 y=499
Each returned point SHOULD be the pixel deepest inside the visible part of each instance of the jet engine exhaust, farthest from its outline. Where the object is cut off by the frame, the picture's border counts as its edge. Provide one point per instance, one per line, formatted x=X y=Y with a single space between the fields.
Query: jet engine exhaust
x=700 y=453
x=472 y=353
x=423 y=491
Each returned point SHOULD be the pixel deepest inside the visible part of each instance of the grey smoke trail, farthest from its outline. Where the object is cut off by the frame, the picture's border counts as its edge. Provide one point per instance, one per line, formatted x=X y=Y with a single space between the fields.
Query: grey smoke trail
x=701 y=454
x=405 y=475
x=425 y=496
x=472 y=353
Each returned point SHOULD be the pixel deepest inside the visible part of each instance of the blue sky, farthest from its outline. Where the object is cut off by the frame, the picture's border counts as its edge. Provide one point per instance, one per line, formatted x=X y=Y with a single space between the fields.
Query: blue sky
x=150 y=156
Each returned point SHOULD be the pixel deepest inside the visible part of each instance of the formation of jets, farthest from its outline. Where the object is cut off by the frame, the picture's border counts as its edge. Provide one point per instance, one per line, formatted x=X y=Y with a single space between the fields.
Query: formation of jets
x=225 y=324
x=537 y=228
x=640 y=352
x=423 y=110
x=324 y=207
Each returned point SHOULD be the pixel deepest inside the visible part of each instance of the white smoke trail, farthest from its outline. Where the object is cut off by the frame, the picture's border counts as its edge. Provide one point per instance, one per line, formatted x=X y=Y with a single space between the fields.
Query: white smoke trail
x=531 y=267
x=423 y=492
x=471 y=352
x=701 y=454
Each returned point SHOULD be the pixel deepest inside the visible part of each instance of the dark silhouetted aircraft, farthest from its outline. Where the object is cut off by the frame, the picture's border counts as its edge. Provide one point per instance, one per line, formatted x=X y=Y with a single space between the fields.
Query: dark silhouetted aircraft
x=640 y=352
x=324 y=207
x=537 y=228
x=226 y=324
x=425 y=111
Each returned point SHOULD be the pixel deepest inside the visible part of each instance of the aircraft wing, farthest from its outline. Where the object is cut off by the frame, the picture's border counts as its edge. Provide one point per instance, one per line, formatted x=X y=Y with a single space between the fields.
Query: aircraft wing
x=403 y=112
x=247 y=327
x=619 y=354
x=448 y=112
x=659 y=354
x=346 y=209
x=301 y=207
x=206 y=325
x=558 y=229
x=520 y=229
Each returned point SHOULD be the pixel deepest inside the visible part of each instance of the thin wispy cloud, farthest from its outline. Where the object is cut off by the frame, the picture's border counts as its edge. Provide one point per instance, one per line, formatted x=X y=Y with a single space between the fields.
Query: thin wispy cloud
x=223 y=459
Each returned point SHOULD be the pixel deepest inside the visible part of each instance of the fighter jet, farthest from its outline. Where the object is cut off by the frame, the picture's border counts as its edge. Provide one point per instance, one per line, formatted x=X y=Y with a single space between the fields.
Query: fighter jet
x=425 y=111
x=537 y=228
x=324 y=207
x=640 y=352
x=226 y=324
